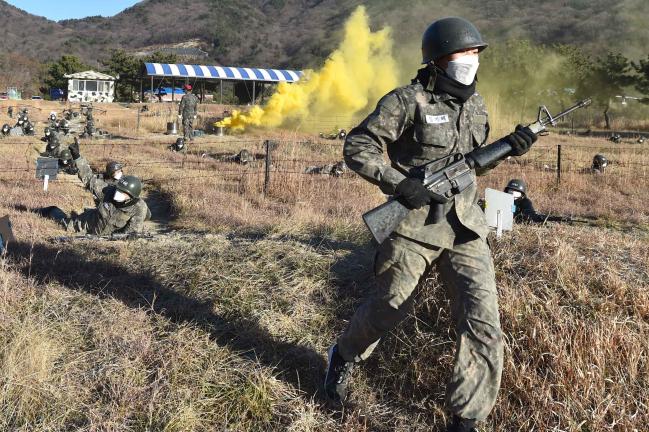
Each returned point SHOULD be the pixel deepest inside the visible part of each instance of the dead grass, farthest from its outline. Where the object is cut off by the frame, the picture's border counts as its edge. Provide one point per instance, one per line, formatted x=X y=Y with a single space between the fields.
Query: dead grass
x=224 y=325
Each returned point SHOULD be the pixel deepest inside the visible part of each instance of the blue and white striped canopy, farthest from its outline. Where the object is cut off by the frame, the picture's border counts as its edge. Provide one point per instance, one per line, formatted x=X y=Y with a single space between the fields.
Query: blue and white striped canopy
x=221 y=72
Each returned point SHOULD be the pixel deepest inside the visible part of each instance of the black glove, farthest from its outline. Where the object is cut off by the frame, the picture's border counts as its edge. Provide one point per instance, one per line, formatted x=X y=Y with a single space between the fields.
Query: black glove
x=74 y=149
x=413 y=192
x=521 y=140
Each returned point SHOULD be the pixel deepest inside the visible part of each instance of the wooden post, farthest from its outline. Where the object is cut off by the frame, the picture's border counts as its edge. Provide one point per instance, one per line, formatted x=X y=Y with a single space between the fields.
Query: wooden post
x=221 y=89
x=254 y=90
x=267 y=163
x=173 y=89
x=558 y=163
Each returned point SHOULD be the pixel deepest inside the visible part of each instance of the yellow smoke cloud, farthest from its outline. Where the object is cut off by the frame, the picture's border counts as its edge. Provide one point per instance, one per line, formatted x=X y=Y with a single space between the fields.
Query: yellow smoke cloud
x=353 y=78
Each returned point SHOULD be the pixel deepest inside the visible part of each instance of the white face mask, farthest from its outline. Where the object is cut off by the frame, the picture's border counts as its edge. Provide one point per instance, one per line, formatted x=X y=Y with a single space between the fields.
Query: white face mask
x=118 y=175
x=517 y=194
x=463 y=69
x=120 y=197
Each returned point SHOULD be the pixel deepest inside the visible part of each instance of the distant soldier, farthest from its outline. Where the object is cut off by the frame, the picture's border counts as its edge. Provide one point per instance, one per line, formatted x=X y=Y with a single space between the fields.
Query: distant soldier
x=21 y=121
x=28 y=128
x=323 y=169
x=120 y=208
x=6 y=130
x=10 y=112
x=113 y=172
x=524 y=209
x=187 y=112
x=52 y=120
x=47 y=134
x=616 y=138
x=66 y=162
x=64 y=126
x=90 y=122
x=52 y=148
x=341 y=134
x=178 y=146
x=111 y=175
x=244 y=157
x=334 y=170
x=599 y=164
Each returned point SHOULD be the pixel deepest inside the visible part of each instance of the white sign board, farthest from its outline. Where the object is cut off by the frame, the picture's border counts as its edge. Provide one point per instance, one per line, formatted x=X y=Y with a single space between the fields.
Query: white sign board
x=499 y=209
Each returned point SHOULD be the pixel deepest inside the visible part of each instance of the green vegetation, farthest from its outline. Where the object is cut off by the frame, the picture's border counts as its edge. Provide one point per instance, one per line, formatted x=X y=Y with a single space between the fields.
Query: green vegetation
x=67 y=64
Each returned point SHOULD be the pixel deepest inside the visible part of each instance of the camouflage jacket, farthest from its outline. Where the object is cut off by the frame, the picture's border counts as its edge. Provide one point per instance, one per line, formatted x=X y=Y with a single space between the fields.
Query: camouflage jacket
x=188 y=105
x=416 y=126
x=525 y=212
x=109 y=217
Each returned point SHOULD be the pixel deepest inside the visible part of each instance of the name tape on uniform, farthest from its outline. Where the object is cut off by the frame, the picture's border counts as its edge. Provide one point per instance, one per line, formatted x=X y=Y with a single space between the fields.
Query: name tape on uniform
x=437 y=119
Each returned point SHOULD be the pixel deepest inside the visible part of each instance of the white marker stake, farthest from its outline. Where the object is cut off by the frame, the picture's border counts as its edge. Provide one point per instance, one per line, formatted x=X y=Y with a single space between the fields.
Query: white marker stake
x=499 y=224
x=46 y=181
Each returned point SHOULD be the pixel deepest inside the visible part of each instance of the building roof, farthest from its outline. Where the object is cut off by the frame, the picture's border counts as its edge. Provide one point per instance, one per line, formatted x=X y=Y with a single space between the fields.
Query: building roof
x=90 y=75
x=221 y=72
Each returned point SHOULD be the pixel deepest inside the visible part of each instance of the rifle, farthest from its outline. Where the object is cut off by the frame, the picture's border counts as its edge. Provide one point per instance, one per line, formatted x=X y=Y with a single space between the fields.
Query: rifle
x=451 y=175
x=111 y=237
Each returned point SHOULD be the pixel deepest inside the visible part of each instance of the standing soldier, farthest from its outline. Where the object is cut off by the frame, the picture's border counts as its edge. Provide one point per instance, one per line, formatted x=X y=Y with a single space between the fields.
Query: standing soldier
x=10 y=112
x=439 y=114
x=187 y=112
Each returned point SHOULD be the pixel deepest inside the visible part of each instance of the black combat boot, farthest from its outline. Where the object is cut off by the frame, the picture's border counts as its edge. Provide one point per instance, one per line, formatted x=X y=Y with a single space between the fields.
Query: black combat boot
x=461 y=425
x=338 y=374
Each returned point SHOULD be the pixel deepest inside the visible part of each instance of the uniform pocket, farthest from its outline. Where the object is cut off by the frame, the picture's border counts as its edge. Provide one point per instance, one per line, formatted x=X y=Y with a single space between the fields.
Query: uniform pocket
x=479 y=129
x=386 y=256
x=434 y=127
x=433 y=135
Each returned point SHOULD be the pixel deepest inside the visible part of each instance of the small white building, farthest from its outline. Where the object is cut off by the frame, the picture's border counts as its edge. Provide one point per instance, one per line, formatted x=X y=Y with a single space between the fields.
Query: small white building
x=90 y=86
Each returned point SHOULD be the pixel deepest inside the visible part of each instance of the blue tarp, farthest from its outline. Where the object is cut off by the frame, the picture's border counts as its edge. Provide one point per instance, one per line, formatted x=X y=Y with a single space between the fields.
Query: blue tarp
x=165 y=91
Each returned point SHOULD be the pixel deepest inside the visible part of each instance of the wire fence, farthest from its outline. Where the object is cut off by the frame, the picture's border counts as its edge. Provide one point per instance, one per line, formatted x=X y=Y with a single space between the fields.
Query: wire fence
x=273 y=160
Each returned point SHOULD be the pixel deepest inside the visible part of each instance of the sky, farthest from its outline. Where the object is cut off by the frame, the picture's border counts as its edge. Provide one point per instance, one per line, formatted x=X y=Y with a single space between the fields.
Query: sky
x=66 y=9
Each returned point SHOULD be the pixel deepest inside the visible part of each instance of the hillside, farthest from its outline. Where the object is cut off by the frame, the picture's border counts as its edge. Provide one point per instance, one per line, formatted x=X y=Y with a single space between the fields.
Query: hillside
x=299 y=33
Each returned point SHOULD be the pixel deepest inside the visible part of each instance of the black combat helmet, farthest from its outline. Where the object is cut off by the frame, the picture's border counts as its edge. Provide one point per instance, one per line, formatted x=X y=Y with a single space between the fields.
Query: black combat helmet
x=600 y=161
x=47 y=132
x=65 y=155
x=516 y=185
x=179 y=144
x=449 y=35
x=112 y=167
x=5 y=129
x=130 y=185
x=64 y=125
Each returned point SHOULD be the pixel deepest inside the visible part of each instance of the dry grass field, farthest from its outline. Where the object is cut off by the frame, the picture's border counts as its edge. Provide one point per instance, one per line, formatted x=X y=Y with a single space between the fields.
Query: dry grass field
x=222 y=323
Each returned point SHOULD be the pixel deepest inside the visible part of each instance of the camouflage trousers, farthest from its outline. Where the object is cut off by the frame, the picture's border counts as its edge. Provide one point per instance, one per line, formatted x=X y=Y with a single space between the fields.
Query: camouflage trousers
x=188 y=128
x=81 y=223
x=467 y=271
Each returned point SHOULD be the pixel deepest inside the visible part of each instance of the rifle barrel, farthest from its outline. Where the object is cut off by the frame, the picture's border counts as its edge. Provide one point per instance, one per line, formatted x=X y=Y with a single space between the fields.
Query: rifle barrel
x=578 y=105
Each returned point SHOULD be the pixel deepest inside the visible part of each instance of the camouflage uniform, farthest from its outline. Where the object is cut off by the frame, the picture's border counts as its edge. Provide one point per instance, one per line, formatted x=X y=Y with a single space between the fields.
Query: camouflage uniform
x=109 y=217
x=188 y=109
x=53 y=147
x=416 y=126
